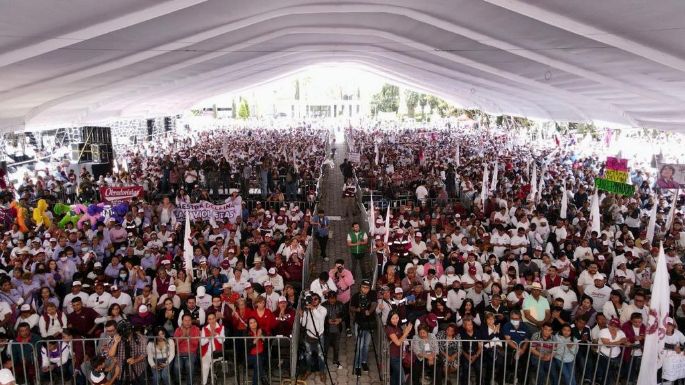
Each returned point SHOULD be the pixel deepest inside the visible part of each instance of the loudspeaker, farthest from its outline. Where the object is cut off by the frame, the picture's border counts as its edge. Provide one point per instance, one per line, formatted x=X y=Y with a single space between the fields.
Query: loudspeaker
x=167 y=124
x=100 y=135
x=100 y=169
x=150 y=128
x=81 y=153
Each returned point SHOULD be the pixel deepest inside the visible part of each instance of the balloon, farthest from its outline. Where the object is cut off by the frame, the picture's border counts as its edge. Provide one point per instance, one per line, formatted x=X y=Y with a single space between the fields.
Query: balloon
x=40 y=218
x=21 y=215
x=92 y=214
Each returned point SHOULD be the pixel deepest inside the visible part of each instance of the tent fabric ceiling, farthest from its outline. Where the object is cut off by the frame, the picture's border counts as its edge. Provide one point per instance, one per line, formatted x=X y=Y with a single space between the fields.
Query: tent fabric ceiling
x=75 y=61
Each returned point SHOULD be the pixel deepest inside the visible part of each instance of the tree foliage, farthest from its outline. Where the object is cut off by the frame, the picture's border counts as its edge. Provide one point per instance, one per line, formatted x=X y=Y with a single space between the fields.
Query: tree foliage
x=387 y=100
x=412 y=98
x=244 y=110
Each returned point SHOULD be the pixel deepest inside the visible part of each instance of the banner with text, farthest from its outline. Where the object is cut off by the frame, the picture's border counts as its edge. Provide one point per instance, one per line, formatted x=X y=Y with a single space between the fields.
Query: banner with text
x=230 y=209
x=120 y=194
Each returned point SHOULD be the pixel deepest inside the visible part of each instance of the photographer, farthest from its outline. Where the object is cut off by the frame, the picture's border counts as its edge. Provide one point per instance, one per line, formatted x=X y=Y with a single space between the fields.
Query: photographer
x=363 y=311
x=129 y=349
x=313 y=319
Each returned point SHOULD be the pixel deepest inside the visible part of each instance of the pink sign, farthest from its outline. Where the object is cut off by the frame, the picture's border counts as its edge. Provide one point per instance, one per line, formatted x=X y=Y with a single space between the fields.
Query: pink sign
x=617 y=164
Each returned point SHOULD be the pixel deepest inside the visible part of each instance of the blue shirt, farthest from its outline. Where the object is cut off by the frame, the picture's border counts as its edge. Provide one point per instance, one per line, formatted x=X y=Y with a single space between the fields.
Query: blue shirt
x=517 y=335
x=322 y=228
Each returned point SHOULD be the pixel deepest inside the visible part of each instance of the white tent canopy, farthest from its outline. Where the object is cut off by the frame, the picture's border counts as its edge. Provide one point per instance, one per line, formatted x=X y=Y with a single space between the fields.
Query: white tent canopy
x=74 y=61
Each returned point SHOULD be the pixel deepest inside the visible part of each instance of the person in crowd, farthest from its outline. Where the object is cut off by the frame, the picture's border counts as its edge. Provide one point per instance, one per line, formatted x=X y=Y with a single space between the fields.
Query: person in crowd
x=333 y=329
x=256 y=353
x=425 y=350
x=565 y=351
x=211 y=345
x=611 y=340
x=130 y=352
x=188 y=337
x=363 y=310
x=313 y=320
x=397 y=334
x=160 y=354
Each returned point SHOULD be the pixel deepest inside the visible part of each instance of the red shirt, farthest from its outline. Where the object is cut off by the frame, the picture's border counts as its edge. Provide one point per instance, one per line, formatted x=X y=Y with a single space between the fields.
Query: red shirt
x=266 y=322
x=239 y=320
x=188 y=345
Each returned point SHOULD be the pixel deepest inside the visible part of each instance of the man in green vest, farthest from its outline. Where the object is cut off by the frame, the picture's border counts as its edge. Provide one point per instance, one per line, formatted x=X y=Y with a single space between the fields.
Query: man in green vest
x=358 y=242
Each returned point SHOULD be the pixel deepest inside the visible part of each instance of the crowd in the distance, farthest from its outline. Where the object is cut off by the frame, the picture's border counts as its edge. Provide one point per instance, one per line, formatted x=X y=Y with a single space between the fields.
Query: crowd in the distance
x=508 y=285
x=61 y=283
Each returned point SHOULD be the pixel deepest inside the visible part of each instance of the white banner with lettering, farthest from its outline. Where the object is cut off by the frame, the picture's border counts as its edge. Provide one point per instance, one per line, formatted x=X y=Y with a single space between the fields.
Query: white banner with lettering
x=230 y=209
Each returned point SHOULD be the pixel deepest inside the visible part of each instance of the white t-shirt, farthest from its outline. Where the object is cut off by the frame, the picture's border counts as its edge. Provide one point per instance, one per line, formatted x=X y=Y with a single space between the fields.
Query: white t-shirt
x=610 y=351
x=569 y=296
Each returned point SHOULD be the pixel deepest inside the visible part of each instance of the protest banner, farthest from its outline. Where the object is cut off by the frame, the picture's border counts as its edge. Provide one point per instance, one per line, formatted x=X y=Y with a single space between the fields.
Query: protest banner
x=615 y=187
x=616 y=164
x=230 y=209
x=616 y=176
x=354 y=157
x=671 y=176
x=119 y=194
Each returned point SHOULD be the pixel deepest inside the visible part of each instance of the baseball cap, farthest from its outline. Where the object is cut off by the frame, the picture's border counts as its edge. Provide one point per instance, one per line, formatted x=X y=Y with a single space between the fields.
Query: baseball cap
x=536 y=286
x=272 y=271
x=282 y=299
x=366 y=282
x=142 y=309
x=615 y=322
x=398 y=290
x=25 y=307
x=268 y=283
x=76 y=283
x=172 y=288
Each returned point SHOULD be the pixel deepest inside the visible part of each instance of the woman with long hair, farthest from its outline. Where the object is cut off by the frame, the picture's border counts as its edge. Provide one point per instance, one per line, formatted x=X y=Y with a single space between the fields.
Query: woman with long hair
x=256 y=353
x=468 y=309
x=167 y=316
x=160 y=354
x=183 y=285
x=397 y=335
x=114 y=313
x=448 y=340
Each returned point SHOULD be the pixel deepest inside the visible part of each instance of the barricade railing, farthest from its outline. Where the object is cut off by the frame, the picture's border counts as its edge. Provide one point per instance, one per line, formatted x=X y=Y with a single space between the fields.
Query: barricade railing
x=295 y=341
x=500 y=361
x=168 y=361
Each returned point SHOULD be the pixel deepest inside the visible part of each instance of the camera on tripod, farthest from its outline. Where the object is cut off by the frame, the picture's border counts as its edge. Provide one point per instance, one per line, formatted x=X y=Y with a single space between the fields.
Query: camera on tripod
x=364 y=303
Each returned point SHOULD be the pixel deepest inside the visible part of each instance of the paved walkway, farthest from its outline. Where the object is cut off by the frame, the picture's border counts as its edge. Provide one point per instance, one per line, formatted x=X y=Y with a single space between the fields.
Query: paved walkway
x=332 y=204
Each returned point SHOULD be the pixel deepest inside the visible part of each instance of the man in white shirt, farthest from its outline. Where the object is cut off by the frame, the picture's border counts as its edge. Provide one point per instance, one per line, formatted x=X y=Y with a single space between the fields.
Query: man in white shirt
x=258 y=274
x=418 y=246
x=587 y=278
x=75 y=292
x=583 y=252
x=99 y=301
x=564 y=292
x=599 y=293
x=500 y=241
x=519 y=242
x=323 y=285
x=123 y=299
x=639 y=305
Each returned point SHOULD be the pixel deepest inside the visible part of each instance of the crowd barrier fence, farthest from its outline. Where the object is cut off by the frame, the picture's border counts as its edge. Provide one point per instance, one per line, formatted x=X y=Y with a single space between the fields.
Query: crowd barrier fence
x=236 y=363
x=507 y=362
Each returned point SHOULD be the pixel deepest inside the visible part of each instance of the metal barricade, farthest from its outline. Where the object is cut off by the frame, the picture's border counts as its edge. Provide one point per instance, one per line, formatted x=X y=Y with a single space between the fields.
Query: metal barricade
x=176 y=360
x=496 y=361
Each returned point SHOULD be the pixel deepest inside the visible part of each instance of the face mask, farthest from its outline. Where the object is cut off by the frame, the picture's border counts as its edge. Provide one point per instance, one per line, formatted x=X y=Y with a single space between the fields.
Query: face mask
x=431 y=261
x=564 y=287
x=416 y=261
x=515 y=323
x=122 y=276
x=63 y=259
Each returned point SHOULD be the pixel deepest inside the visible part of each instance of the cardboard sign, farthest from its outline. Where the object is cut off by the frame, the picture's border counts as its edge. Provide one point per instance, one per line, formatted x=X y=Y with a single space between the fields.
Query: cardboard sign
x=673 y=368
x=616 y=176
x=354 y=157
x=615 y=187
x=616 y=164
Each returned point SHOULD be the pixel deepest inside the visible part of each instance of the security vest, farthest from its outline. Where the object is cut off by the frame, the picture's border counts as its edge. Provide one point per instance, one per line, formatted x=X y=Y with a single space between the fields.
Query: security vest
x=357 y=237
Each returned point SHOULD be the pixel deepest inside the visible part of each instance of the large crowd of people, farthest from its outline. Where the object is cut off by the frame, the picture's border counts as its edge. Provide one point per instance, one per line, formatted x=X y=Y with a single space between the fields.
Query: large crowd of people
x=505 y=288
x=112 y=296
x=508 y=287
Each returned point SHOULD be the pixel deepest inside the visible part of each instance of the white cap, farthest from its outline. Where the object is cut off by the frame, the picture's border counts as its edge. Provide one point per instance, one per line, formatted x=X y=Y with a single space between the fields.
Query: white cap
x=272 y=271
x=258 y=260
x=172 y=288
x=167 y=262
x=282 y=299
x=95 y=377
x=76 y=283
x=268 y=283
x=6 y=376
x=226 y=285
x=201 y=291
x=25 y=307
x=97 y=264
x=142 y=309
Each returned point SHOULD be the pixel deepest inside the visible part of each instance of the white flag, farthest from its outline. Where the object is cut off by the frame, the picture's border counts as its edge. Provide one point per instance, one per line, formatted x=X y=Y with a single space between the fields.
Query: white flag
x=375 y=150
x=493 y=185
x=387 y=226
x=456 y=157
x=564 y=203
x=594 y=214
x=656 y=323
x=484 y=188
x=188 y=248
x=652 y=224
x=671 y=212
x=372 y=218
x=540 y=186
x=533 y=183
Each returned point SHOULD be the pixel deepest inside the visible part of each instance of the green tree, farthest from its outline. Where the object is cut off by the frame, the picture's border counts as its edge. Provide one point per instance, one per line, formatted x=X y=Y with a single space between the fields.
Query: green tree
x=412 y=101
x=387 y=100
x=433 y=102
x=244 y=110
x=423 y=100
